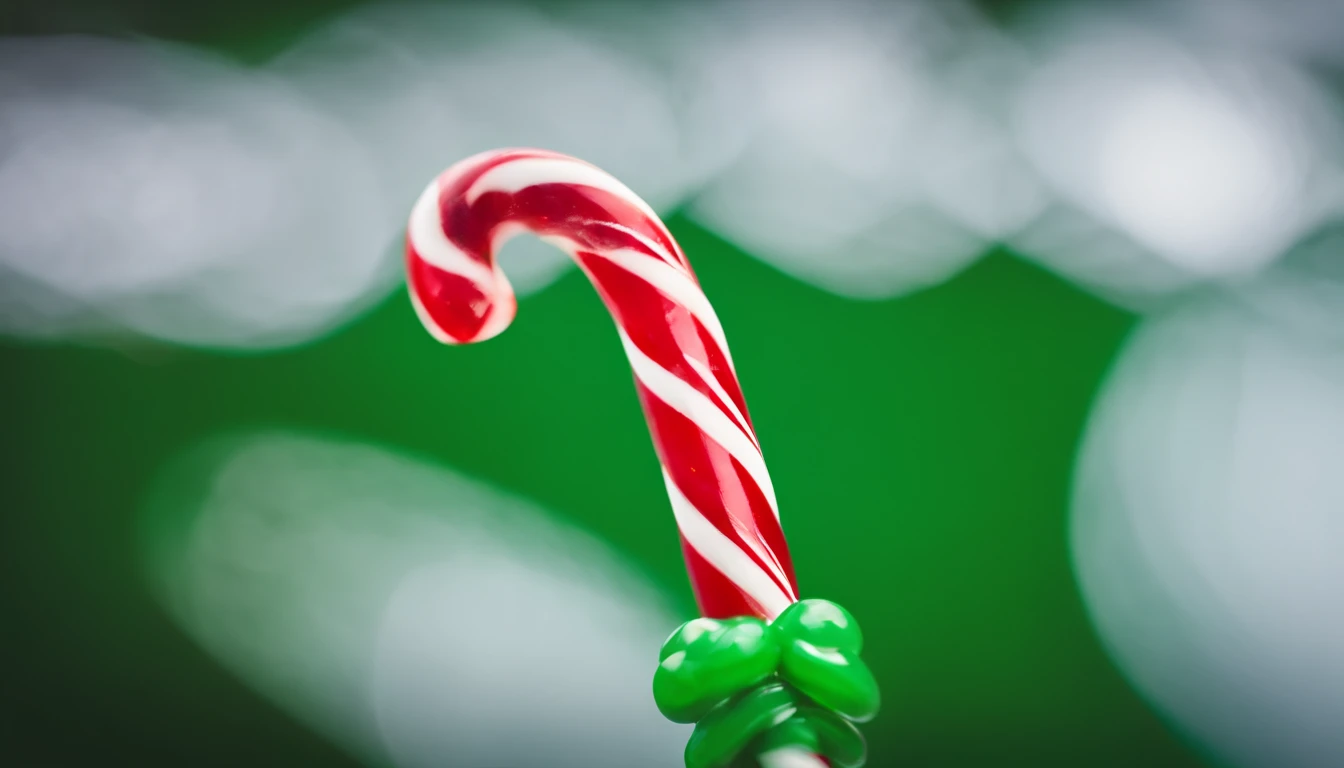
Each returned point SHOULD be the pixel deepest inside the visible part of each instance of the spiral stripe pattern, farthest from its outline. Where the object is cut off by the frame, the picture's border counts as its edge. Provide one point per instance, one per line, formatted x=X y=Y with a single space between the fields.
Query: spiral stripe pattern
x=720 y=490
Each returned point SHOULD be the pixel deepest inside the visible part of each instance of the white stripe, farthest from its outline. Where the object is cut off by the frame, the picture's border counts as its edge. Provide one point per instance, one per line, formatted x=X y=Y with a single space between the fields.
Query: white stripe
x=425 y=231
x=712 y=382
x=503 y=306
x=703 y=403
x=689 y=402
x=675 y=285
x=515 y=175
x=648 y=242
x=789 y=757
x=726 y=557
x=461 y=167
x=667 y=280
x=771 y=563
x=504 y=233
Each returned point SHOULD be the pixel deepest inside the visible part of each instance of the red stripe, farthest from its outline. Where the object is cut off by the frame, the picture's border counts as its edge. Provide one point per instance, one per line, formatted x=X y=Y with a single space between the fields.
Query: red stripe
x=662 y=329
x=456 y=305
x=767 y=526
x=715 y=594
x=469 y=226
x=723 y=373
x=583 y=213
x=631 y=217
x=456 y=186
x=716 y=485
x=602 y=237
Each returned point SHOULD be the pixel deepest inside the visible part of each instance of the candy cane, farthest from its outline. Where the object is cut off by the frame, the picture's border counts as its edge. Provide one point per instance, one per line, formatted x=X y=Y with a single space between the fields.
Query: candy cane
x=721 y=493
x=720 y=490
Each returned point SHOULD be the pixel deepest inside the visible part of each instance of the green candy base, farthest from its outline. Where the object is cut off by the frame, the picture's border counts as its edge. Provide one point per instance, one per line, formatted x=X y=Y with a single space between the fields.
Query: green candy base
x=753 y=687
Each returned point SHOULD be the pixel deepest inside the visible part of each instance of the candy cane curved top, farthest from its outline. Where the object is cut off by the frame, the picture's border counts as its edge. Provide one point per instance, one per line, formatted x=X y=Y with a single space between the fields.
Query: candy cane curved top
x=720 y=491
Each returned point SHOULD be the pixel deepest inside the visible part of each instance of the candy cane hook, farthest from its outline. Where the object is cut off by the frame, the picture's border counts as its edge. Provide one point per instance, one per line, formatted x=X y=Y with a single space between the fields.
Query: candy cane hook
x=720 y=490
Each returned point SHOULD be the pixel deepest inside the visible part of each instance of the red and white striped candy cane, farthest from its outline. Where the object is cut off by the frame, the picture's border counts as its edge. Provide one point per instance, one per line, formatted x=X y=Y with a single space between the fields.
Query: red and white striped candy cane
x=716 y=478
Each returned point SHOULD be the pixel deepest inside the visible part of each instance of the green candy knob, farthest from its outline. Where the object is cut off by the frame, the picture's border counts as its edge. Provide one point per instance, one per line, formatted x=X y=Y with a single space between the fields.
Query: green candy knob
x=835 y=679
x=707 y=660
x=820 y=732
x=753 y=688
x=734 y=724
x=821 y=623
x=820 y=643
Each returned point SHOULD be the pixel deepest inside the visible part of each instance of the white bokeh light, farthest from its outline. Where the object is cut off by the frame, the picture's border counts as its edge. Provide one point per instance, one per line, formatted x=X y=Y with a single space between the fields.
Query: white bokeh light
x=869 y=149
x=173 y=194
x=812 y=129
x=558 y=649
x=1307 y=30
x=1212 y=162
x=406 y=612
x=1101 y=259
x=830 y=95
x=1208 y=511
x=1191 y=177
x=438 y=83
x=860 y=117
x=1304 y=291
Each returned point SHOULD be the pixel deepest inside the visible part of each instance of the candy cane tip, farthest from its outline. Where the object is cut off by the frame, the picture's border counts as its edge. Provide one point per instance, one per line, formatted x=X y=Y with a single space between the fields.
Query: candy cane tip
x=440 y=335
x=453 y=324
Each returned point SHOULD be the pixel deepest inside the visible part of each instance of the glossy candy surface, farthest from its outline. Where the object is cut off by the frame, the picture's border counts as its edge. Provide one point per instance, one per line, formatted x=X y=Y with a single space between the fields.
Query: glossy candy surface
x=819 y=731
x=721 y=493
x=707 y=660
x=820 y=644
x=727 y=730
x=809 y=657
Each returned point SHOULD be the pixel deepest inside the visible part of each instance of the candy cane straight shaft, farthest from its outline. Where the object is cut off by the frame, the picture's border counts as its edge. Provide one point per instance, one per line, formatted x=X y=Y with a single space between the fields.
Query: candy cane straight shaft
x=716 y=478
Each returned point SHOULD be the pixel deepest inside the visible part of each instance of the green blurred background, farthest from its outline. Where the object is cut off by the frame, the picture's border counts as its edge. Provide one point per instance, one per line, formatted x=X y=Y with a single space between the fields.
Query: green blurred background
x=922 y=447
x=923 y=462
